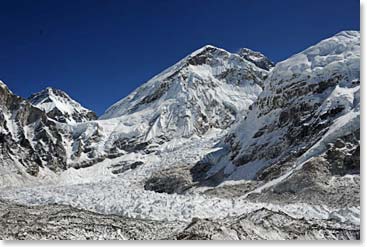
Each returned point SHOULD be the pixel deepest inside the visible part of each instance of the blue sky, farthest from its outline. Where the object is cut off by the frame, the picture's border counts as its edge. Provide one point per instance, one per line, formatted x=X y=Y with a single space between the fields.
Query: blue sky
x=98 y=51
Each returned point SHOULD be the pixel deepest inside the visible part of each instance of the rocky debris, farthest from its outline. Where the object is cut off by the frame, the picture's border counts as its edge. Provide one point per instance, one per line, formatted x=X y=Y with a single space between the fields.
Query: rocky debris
x=177 y=180
x=232 y=191
x=344 y=155
x=131 y=144
x=93 y=161
x=125 y=166
x=66 y=223
x=313 y=184
x=60 y=106
x=264 y=224
x=57 y=222
x=333 y=180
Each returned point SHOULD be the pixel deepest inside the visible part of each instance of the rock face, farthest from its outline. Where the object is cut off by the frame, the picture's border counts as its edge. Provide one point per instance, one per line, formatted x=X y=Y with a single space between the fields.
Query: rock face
x=29 y=140
x=256 y=58
x=60 y=107
x=170 y=181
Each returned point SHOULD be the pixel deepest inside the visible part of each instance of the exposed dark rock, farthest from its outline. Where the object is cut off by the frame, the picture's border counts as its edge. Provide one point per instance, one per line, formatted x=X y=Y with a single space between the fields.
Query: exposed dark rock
x=43 y=148
x=130 y=144
x=176 y=180
x=257 y=58
x=125 y=166
x=57 y=222
x=67 y=223
x=264 y=224
x=321 y=180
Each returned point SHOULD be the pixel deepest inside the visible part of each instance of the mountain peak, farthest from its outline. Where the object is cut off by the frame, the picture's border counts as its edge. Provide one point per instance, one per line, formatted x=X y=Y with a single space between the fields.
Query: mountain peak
x=222 y=68
x=257 y=58
x=200 y=92
x=50 y=89
x=60 y=106
x=205 y=48
x=205 y=54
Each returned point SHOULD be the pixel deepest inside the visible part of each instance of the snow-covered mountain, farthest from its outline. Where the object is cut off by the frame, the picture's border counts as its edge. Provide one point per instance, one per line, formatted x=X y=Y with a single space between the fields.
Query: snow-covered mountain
x=29 y=141
x=218 y=146
x=207 y=90
x=306 y=121
x=201 y=91
x=60 y=106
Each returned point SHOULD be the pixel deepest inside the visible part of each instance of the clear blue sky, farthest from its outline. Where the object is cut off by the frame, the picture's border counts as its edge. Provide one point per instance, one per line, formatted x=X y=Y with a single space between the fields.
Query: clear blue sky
x=98 y=51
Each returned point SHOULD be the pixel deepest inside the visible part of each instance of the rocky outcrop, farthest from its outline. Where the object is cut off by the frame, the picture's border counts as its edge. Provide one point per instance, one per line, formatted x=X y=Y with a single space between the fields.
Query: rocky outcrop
x=28 y=138
x=256 y=58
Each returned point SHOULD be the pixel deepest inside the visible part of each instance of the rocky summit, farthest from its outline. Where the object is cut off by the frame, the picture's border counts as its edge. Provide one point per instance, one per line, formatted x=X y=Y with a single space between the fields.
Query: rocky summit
x=220 y=146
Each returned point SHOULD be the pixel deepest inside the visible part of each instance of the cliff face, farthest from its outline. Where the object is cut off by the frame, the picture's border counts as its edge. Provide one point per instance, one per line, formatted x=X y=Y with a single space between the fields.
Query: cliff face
x=29 y=139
